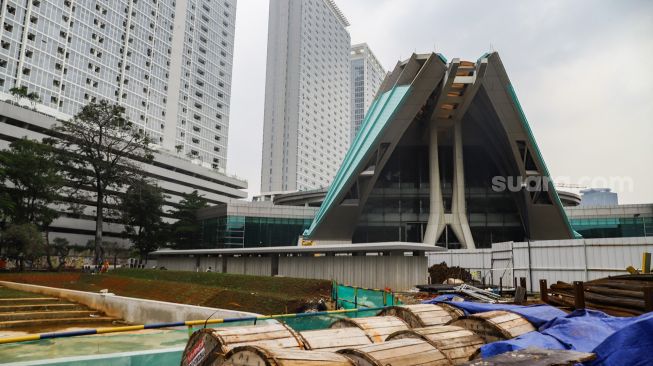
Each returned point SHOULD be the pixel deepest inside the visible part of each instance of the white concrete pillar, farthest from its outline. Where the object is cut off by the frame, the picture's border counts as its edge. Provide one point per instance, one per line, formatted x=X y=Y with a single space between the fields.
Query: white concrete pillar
x=435 y=225
x=458 y=219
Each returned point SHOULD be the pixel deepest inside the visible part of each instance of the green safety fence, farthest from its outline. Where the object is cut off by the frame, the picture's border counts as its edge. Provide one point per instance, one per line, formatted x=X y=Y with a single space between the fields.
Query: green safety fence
x=352 y=297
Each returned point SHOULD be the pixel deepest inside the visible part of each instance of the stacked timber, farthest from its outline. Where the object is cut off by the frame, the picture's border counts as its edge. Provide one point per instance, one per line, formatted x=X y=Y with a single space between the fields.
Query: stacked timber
x=457 y=343
x=334 y=339
x=622 y=296
x=267 y=356
x=495 y=325
x=210 y=345
x=377 y=328
x=423 y=315
x=401 y=352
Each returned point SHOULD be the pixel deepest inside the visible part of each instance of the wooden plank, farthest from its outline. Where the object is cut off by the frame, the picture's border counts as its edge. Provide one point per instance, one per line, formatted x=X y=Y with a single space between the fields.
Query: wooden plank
x=334 y=339
x=401 y=352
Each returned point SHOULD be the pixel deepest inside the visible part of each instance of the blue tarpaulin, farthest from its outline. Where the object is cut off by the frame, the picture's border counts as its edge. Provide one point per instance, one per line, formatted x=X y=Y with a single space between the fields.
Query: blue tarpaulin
x=614 y=340
x=536 y=314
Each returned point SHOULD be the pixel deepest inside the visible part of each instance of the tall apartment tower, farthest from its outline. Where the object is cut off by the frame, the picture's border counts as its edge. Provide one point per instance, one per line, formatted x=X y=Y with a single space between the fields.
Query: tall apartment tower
x=307 y=92
x=366 y=77
x=168 y=62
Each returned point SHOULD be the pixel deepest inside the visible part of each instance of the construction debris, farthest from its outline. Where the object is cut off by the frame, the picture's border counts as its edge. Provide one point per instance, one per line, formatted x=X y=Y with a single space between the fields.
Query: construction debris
x=535 y=357
x=440 y=273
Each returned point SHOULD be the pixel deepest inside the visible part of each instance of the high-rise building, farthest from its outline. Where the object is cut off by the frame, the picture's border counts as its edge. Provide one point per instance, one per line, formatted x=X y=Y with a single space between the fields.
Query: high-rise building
x=167 y=62
x=307 y=95
x=366 y=77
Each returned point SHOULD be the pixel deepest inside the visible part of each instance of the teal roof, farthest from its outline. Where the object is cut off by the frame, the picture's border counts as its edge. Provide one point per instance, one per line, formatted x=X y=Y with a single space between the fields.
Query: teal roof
x=376 y=120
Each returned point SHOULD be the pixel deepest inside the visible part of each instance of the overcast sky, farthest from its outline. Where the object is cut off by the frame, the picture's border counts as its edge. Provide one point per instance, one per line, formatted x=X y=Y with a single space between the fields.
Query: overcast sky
x=582 y=70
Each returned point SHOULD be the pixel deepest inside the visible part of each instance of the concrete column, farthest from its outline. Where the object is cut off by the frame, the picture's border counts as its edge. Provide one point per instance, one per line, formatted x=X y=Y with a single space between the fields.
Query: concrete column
x=435 y=225
x=459 y=222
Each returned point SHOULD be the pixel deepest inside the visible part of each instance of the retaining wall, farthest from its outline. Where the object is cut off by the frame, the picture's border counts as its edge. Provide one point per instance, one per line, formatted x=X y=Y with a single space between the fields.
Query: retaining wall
x=131 y=309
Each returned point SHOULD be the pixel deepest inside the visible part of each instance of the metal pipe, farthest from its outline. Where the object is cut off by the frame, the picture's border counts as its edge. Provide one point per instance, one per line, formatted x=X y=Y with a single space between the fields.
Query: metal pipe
x=129 y=328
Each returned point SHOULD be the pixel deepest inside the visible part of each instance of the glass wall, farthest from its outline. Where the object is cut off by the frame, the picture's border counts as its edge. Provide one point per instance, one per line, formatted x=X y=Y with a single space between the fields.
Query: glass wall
x=614 y=227
x=398 y=207
x=251 y=232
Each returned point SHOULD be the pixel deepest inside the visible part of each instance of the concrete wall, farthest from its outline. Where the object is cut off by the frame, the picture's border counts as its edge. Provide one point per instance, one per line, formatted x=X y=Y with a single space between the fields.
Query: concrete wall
x=131 y=309
x=553 y=260
x=396 y=272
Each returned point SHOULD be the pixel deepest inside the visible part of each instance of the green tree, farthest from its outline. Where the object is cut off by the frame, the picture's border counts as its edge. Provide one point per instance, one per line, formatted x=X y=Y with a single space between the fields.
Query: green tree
x=185 y=232
x=32 y=181
x=24 y=242
x=33 y=98
x=142 y=208
x=18 y=92
x=101 y=146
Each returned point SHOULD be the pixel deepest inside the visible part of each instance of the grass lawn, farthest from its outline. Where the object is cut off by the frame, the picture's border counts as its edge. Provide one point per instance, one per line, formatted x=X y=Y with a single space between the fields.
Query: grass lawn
x=7 y=293
x=264 y=295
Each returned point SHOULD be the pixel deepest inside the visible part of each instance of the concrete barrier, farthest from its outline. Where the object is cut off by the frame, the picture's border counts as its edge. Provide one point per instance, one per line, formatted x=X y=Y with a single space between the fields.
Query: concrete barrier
x=131 y=309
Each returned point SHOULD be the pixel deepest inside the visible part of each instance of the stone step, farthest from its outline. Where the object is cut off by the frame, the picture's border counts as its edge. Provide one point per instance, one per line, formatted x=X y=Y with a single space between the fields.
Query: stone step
x=51 y=322
x=40 y=307
x=34 y=315
x=28 y=300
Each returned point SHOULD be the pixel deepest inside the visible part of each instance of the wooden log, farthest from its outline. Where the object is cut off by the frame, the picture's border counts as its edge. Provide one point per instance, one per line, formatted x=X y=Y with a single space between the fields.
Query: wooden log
x=377 y=328
x=266 y=356
x=401 y=352
x=421 y=315
x=579 y=295
x=495 y=325
x=611 y=310
x=334 y=339
x=544 y=291
x=623 y=284
x=598 y=289
x=211 y=344
x=457 y=343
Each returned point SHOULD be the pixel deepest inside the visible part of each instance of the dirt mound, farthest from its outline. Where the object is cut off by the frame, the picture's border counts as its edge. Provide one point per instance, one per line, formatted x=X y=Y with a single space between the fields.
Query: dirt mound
x=441 y=272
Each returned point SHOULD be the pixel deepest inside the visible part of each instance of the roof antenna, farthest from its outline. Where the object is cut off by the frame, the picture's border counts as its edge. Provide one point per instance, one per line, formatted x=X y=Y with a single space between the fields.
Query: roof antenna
x=492 y=47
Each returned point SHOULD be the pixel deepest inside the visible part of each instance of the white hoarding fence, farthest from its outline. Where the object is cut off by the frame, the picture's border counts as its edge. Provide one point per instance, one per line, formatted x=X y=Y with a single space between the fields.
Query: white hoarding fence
x=553 y=260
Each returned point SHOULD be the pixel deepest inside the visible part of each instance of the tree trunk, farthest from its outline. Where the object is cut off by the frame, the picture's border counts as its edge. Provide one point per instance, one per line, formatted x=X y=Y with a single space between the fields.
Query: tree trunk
x=48 y=250
x=99 y=218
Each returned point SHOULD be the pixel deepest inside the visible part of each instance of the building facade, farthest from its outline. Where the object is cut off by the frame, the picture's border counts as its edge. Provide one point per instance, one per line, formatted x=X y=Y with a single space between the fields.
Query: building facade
x=367 y=74
x=598 y=197
x=172 y=172
x=444 y=157
x=307 y=93
x=167 y=62
x=612 y=221
x=240 y=224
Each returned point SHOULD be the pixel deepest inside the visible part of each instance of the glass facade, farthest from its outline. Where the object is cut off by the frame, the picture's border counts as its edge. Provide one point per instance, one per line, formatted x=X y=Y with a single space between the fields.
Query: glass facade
x=613 y=227
x=398 y=207
x=251 y=232
x=75 y=52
